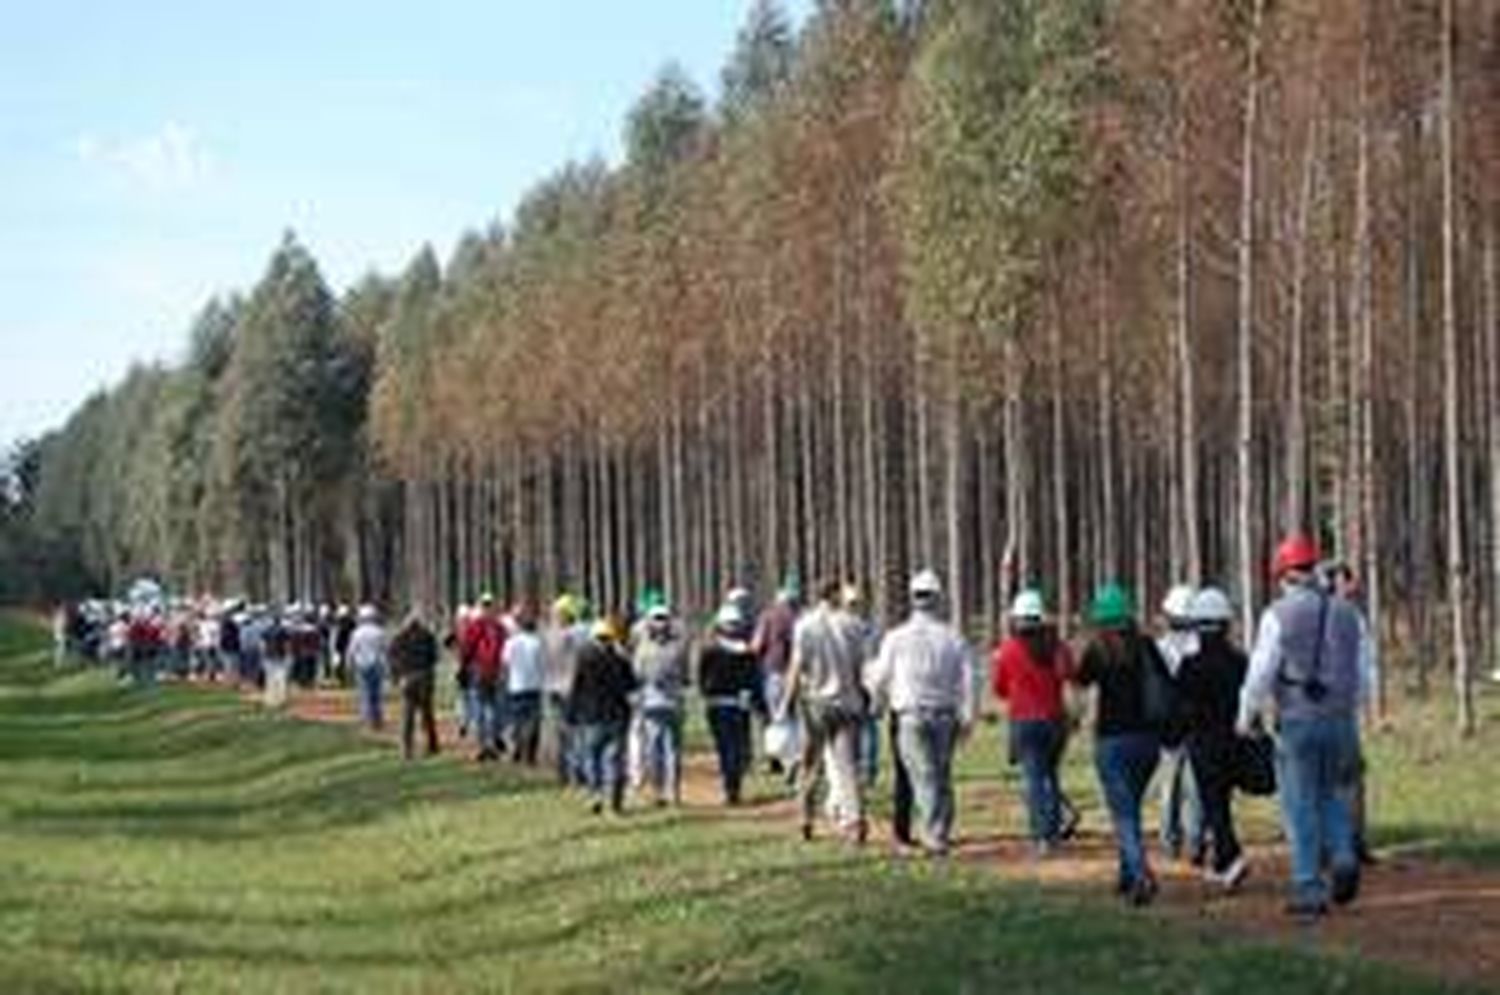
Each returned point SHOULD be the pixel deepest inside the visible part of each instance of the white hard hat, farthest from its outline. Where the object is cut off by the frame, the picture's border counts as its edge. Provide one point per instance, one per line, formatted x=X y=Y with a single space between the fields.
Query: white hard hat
x=1029 y=606
x=1178 y=604
x=730 y=617
x=367 y=613
x=926 y=584
x=1212 y=606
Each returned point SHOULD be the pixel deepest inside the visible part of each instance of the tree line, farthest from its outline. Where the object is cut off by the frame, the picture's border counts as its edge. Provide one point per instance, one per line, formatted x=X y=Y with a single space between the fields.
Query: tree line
x=1054 y=290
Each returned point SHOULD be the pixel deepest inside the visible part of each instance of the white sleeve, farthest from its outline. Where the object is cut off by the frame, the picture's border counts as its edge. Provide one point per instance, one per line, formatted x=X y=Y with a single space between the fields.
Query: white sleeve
x=1369 y=662
x=878 y=675
x=966 y=704
x=1265 y=662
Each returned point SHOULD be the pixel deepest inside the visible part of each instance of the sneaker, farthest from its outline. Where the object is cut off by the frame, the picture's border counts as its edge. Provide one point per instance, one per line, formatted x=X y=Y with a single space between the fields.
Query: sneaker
x=1345 y=885
x=1142 y=893
x=1231 y=877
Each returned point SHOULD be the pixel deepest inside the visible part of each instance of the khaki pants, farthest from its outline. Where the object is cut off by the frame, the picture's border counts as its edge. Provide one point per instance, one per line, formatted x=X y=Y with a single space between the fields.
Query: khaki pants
x=830 y=743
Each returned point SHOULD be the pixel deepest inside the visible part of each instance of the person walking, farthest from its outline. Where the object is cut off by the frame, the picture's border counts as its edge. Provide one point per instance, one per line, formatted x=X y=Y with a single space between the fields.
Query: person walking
x=1340 y=579
x=729 y=680
x=1131 y=715
x=823 y=691
x=599 y=710
x=368 y=659
x=1311 y=660
x=1182 y=820
x=772 y=643
x=275 y=659
x=1209 y=681
x=526 y=667
x=852 y=599
x=1029 y=672
x=414 y=654
x=662 y=671
x=925 y=671
x=564 y=638
x=483 y=645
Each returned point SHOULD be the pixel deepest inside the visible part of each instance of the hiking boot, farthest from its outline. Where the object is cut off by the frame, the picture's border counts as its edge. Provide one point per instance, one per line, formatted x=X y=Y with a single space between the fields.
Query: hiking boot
x=1345 y=885
x=1143 y=892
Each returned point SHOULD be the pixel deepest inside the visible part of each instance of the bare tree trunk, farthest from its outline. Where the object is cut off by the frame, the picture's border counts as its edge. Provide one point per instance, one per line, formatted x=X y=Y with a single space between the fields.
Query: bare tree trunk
x=1061 y=521
x=1187 y=378
x=1295 y=513
x=1245 y=429
x=1492 y=411
x=1457 y=594
x=1109 y=513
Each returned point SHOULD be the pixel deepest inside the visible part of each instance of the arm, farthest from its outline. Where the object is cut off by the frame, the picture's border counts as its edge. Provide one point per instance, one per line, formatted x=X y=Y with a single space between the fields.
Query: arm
x=878 y=676
x=966 y=672
x=1260 y=680
x=1000 y=672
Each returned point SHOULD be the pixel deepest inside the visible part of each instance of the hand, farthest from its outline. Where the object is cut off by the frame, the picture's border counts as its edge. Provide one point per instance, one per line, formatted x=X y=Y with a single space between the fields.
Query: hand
x=1243 y=728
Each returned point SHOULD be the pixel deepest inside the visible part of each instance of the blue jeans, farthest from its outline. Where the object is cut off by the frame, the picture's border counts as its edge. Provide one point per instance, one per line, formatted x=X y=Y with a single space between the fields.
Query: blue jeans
x=927 y=739
x=869 y=751
x=569 y=752
x=1181 y=808
x=663 y=753
x=603 y=754
x=524 y=713
x=488 y=701
x=371 y=681
x=1037 y=746
x=730 y=726
x=1316 y=761
x=1125 y=764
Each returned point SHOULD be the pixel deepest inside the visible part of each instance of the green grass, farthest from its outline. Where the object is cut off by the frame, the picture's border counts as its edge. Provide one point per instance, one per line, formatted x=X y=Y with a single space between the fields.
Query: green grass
x=178 y=840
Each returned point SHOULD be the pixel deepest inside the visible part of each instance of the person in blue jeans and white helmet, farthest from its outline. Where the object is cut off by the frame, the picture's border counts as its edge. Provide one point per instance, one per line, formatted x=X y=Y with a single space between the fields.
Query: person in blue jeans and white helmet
x=1181 y=810
x=1310 y=663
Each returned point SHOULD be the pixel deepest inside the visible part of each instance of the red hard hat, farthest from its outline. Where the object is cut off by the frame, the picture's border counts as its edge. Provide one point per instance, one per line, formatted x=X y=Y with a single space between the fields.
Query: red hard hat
x=1296 y=552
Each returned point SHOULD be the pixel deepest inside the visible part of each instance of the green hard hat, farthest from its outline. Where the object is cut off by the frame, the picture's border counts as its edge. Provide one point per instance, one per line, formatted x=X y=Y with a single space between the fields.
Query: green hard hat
x=1112 y=607
x=650 y=598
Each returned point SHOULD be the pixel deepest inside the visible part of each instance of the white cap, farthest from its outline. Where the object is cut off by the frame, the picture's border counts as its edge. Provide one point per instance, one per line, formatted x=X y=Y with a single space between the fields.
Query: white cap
x=1212 y=606
x=367 y=613
x=926 y=583
x=1028 y=606
x=1178 y=604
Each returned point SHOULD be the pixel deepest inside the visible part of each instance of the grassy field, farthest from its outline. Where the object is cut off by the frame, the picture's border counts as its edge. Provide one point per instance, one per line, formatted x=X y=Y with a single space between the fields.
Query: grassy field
x=178 y=840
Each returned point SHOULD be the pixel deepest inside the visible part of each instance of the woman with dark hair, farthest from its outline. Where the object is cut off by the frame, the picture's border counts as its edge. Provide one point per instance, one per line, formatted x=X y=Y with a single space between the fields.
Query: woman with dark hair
x=1029 y=672
x=1134 y=716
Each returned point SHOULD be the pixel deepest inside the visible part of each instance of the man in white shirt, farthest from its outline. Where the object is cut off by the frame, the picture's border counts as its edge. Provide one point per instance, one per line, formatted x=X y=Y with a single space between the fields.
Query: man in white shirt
x=525 y=658
x=925 y=671
x=367 y=657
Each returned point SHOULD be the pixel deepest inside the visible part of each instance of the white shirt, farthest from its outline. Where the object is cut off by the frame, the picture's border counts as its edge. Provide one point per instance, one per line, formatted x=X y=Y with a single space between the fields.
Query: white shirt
x=925 y=664
x=367 y=646
x=525 y=661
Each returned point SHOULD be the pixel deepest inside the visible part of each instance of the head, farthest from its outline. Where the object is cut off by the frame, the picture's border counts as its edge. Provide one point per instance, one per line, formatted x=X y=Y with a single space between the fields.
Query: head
x=565 y=610
x=1213 y=614
x=926 y=591
x=791 y=590
x=415 y=619
x=525 y=614
x=1296 y=560
x=368 y=615
x=1028 y=613
x=1112 y=610
x=741 y=598
x=659 y=622
x=1177 y=607
x=487 y=605
x=829 y=592
x=730 y=622
x=1340 y=579
x=852 y=598
x=605 y=630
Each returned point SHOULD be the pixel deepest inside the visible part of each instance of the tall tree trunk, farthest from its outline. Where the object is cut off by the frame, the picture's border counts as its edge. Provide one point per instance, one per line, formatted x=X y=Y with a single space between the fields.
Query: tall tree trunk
x=1294 y=515
x=1245 y=361
x=1457 y=593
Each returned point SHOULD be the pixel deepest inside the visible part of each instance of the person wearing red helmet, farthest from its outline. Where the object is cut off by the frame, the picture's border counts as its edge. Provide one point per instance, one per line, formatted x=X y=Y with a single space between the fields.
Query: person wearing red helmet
x=1308 y=664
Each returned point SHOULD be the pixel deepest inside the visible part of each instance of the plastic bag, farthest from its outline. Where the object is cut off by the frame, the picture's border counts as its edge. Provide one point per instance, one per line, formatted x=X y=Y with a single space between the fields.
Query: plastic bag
x=783 y=740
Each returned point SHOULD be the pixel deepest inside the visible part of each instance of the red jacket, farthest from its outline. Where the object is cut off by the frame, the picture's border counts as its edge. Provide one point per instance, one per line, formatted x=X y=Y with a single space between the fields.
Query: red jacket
x=1033 y=690
x=483 y=646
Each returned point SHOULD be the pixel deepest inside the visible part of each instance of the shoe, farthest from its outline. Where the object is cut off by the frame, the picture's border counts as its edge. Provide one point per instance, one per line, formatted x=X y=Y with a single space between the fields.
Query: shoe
x=1233 y=876
x=597 y=807
x=1345 y=885
x=1365 y=855
x=807 y=832
x=1306 y=908
x=1142 y=893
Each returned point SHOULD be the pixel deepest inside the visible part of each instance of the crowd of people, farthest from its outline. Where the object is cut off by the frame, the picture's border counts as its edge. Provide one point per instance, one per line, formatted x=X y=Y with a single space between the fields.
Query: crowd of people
x=1186 y=707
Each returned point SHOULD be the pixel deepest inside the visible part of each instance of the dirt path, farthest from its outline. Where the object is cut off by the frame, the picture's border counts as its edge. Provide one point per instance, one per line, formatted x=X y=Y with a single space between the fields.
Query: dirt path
x=1439 y=919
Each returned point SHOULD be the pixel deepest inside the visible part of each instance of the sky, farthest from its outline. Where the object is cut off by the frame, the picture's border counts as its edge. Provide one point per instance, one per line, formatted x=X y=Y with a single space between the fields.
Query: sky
x=152 y=152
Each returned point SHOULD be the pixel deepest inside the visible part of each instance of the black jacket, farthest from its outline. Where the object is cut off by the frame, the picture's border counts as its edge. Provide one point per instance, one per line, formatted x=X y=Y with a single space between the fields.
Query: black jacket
x=726 y=671
x=602 y=685
x=1118 y=664
x=413 y=653
x=1209 y=682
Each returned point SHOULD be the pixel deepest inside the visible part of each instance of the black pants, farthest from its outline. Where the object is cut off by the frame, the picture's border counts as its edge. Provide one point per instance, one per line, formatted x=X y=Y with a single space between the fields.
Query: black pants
x=901 y=796
x=1212 y=755
x=416 y=702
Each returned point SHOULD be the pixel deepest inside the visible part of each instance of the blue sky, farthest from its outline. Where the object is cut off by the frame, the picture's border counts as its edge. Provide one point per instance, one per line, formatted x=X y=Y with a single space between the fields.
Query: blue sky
x=151 y=153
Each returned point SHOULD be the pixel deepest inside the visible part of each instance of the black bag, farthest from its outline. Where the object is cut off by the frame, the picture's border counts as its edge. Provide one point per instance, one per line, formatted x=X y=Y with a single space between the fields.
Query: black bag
x=1255 y=764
